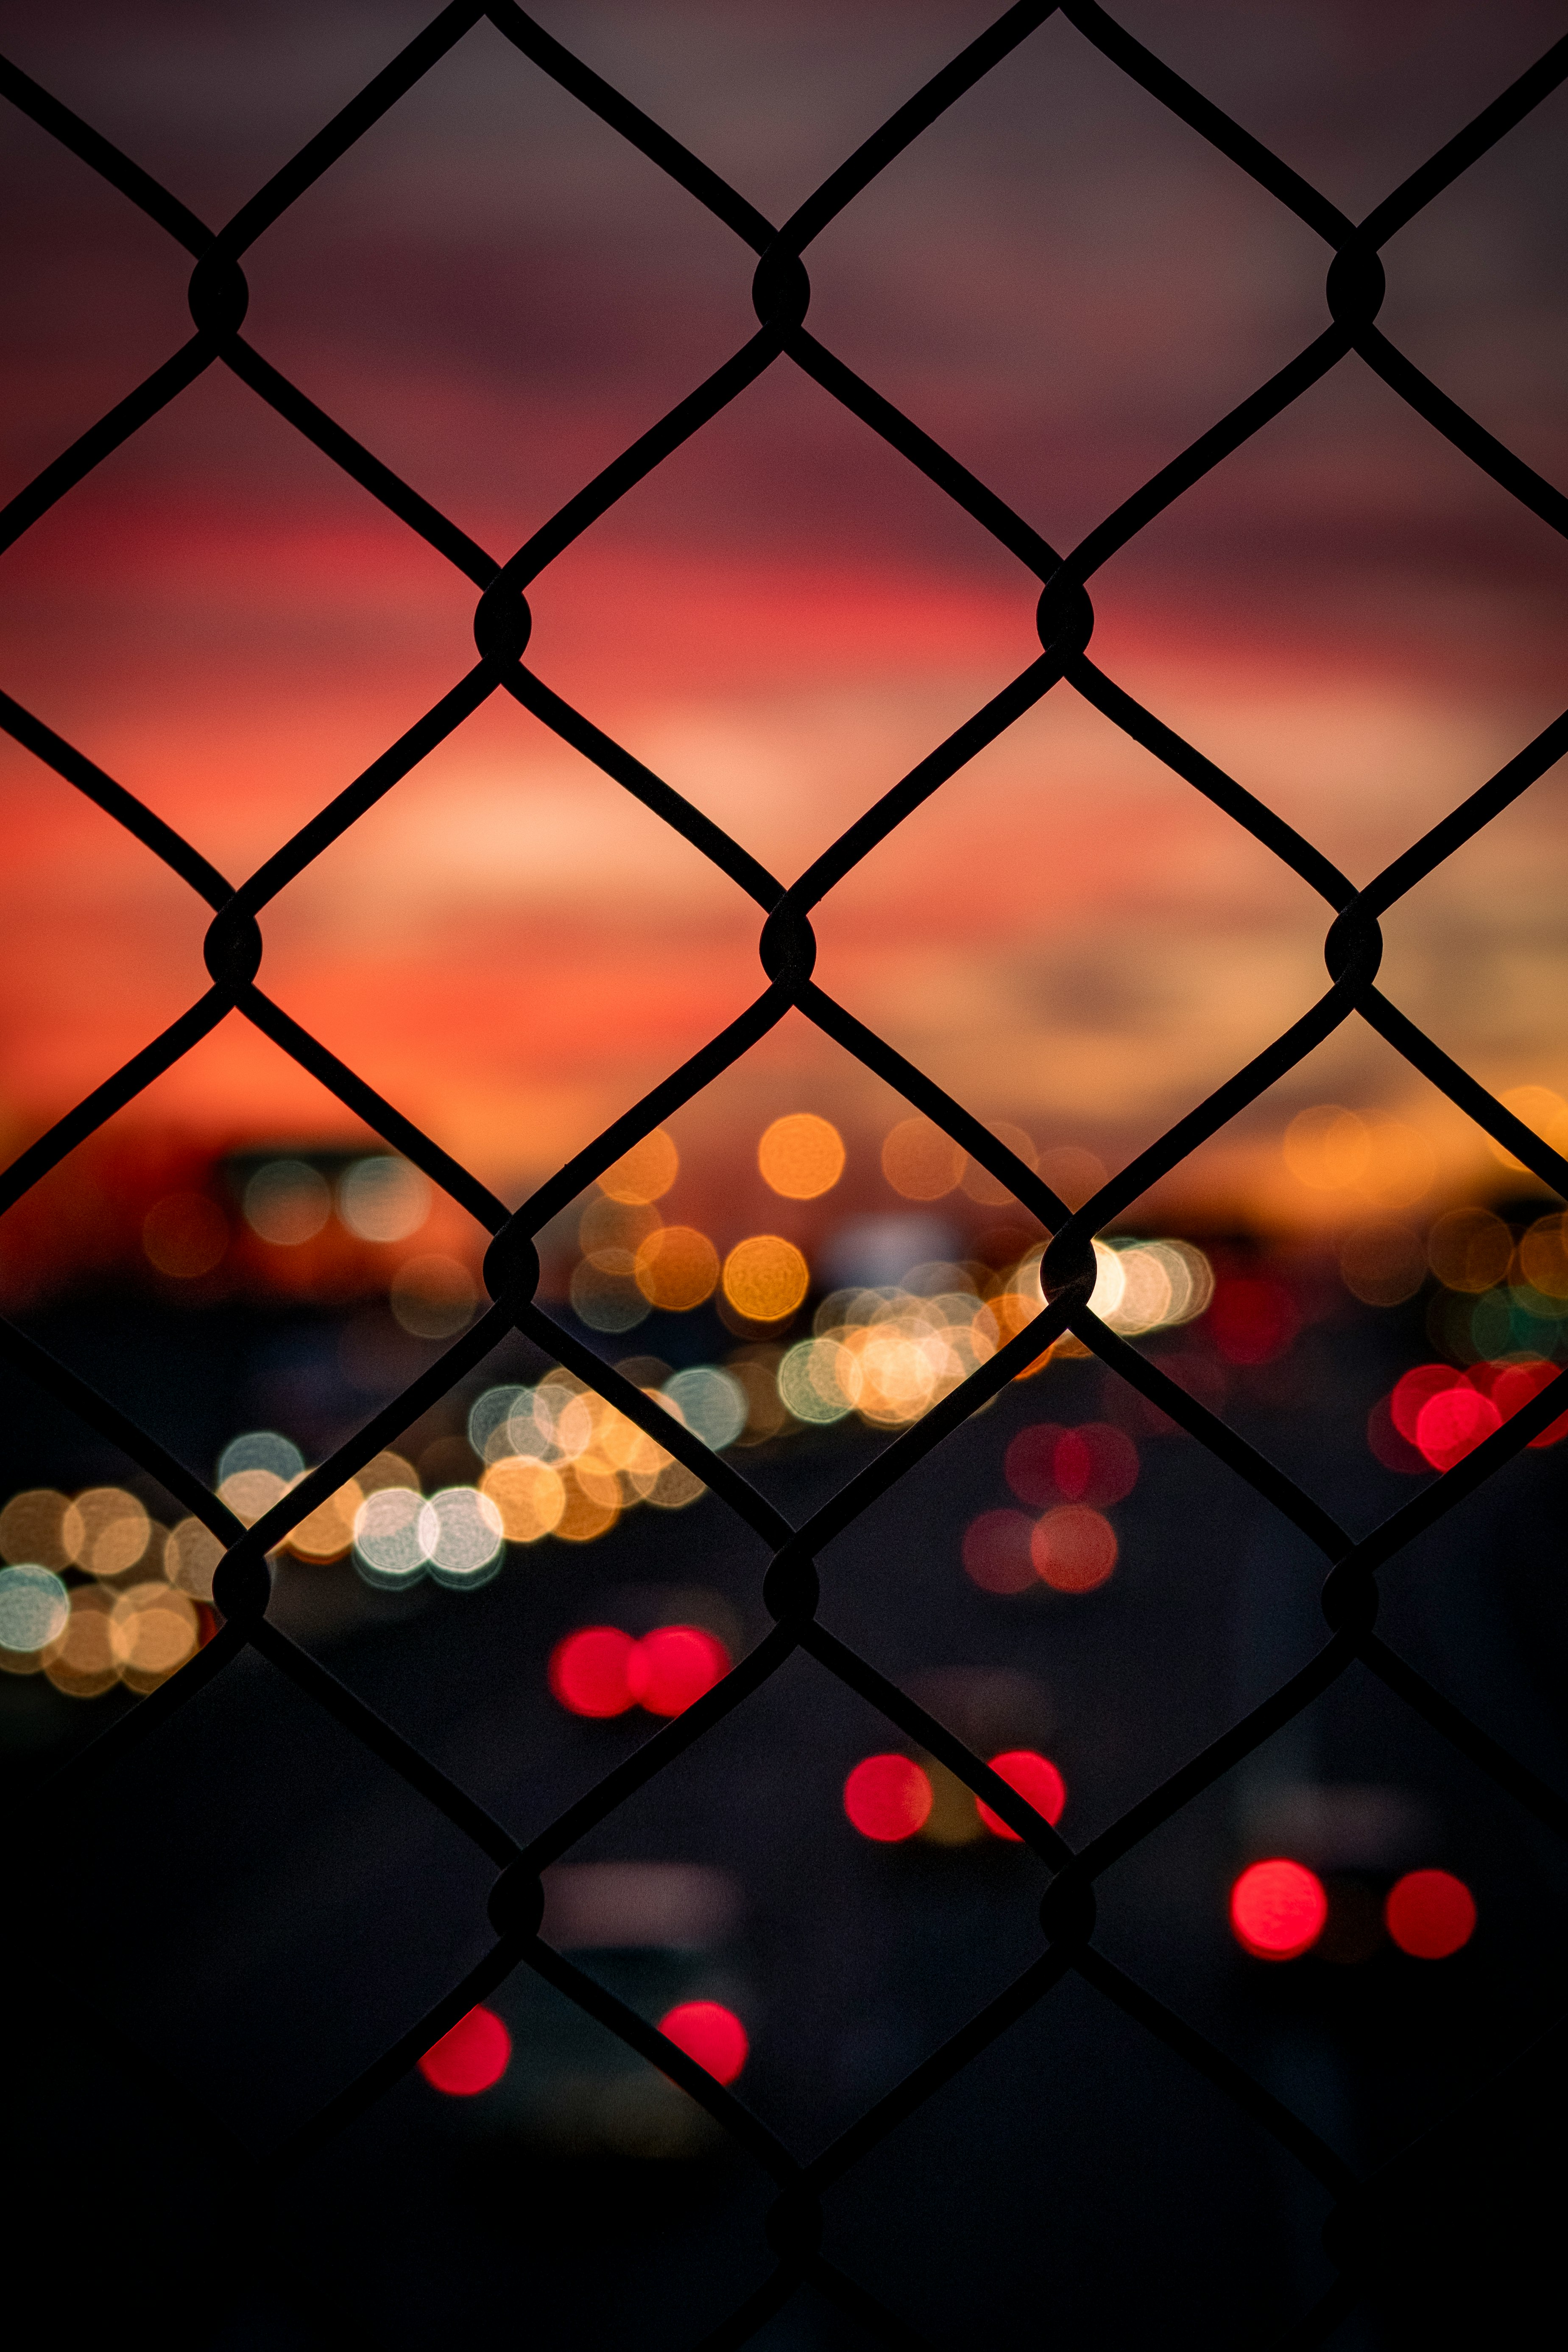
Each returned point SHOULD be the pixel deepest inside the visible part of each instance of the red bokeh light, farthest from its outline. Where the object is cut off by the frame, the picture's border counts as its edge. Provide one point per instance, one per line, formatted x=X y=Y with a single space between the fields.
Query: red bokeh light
x=1513 y=1385
x=1453 y=1423
x=1251 y=1320
x=1095 y=1464
x=1278 y=1909
x=711 y=2035
x=1386 y=1445
x=1073 y=1548
x=1416 y=1389
x=470 y=2058
x=997 y=1551
x=588 y=1671
x=1430 y=1913
x=668 y=1670
x=1037 y=1781
x=888 y=1798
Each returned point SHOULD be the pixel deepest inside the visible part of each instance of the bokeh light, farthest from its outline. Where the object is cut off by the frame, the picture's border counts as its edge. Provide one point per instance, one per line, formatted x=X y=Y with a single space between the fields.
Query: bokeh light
x=676 y=1269
x=35 y=1606
x=529 y=1494
x=996 y=1552
x=472 y=2057
x=185 y=1235
x=588 y=1671
x=80 y=1661
x=1278 y=1909
x=1095 y=1462
x=644 y=1173
x=153 y=1630
x=32 y=1528
x=1541 y=1108
x=888 y=1798
x=260 y=1449
x=980 y=1185
x=713 y=1403
x=1543 y=1258
x=433 y=1295
x=1074 y=1548
x=800 y=1156
x=388 y=1547
x=1383 y=1263
x=1037 y=1781
x=327 y=1532
x=765 y=1278
x=921 y=1162
x=710 y=2035
x=1252 y=1319
x=1453 y=1423
x=1327 y=1148
x=671 y=1668
x=463 y=1536
x=382 y=1199
x=1430 y=1914
x=286 y=1203
x=105 y=1530
x=1470 y=1250
x=190 y=1555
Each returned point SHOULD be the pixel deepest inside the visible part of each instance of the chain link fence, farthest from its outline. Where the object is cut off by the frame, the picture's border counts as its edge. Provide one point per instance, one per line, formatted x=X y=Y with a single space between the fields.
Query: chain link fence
x=781 y=288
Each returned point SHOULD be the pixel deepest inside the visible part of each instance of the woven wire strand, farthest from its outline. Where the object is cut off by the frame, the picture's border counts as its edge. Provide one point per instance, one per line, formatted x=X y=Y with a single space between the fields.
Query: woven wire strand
x=1354 y=287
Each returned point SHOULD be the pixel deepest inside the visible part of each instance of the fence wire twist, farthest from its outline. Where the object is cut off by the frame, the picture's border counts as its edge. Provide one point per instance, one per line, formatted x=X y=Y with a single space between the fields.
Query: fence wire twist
x=781 y=294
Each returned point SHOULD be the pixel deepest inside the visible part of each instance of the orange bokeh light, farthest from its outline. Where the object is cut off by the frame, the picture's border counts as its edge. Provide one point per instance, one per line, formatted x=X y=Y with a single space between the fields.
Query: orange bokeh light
x=676 y=1269
x=765 y=1278
x=800 y=1156
x=1074 y=1548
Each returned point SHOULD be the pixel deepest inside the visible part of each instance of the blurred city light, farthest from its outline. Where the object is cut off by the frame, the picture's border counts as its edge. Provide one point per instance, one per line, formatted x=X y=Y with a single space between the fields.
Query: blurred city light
x=888 y=1798
x=765 y=1278
x=670 y=1669
x=800 y=1156
x=286 y=1203
x=35 y=1606
x=710 y=2034
x=470 y=2058
x=1430 y=1914
x=588 y=1671
x=382 y=1199
x=1074 y=1548
x=1037 y=1781
x=1278 y=1909
x=644 y=1173
x=185 y=1235
x=997 y=1554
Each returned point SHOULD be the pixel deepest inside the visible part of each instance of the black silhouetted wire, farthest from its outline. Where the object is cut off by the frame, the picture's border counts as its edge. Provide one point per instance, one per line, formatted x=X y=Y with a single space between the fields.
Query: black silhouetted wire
x=781 y=293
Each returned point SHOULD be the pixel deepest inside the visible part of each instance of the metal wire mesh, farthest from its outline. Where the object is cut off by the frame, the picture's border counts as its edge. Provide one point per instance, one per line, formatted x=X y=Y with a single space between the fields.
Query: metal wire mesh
x=781 y=294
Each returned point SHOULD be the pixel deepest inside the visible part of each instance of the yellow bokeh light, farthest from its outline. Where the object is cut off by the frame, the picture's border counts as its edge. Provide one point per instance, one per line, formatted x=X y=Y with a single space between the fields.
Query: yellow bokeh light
x=105 y=1530
x=1539 y=1109
x=327 y=1532
x=592 y=1500
x=677 y=1268
x=920 y=1161
x=1543 y=1257
x=250 y=1493
x=433 y=1295
x=1470 y=1250
x=385 y=1470
x=765 y=1278
x=32 y=1528
x=800 y=1156
x=529 y=1494
x=644 y=1173
x=190 y=1555
x=1327 y=1148
x=153 y=1630
x=81 y=1662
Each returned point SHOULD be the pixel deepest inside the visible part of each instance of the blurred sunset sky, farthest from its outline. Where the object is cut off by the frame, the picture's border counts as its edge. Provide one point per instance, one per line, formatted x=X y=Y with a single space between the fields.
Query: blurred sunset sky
x=1061 y=283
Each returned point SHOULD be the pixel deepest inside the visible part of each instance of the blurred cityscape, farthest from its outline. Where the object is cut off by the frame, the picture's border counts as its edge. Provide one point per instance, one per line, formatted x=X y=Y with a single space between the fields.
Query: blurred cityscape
x=528 y=1585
